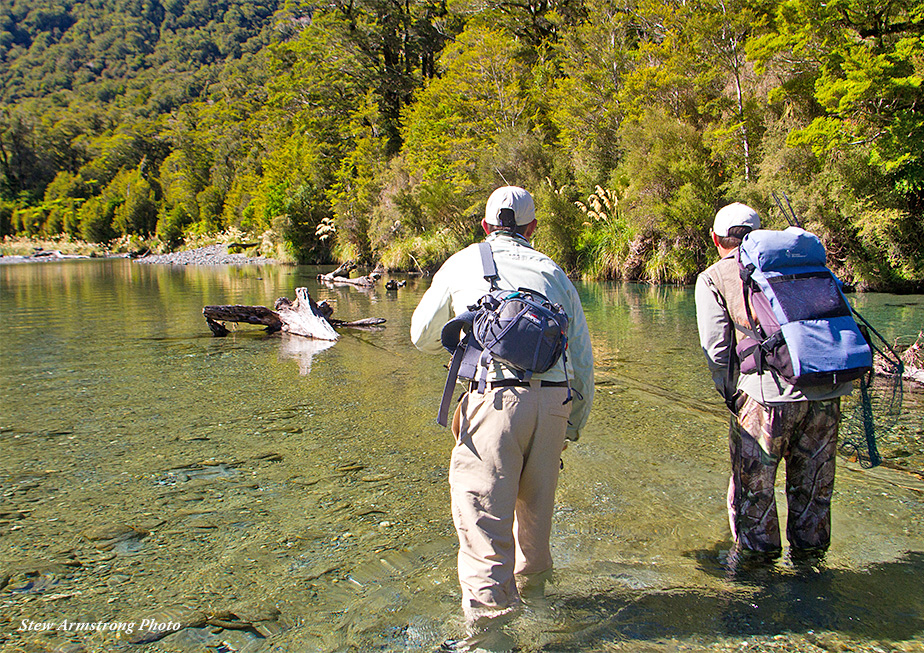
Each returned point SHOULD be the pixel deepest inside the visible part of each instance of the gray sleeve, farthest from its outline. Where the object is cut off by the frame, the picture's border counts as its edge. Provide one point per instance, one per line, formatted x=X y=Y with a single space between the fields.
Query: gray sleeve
x=433 y=311
x=716 y=334
x=581 y=358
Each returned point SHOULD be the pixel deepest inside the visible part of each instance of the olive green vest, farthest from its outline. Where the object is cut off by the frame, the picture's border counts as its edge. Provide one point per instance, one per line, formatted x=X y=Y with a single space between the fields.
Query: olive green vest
x=726 y=279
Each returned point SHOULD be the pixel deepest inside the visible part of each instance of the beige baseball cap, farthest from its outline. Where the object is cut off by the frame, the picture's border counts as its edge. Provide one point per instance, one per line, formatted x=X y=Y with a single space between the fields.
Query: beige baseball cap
x=735 y=215
x=510 y=197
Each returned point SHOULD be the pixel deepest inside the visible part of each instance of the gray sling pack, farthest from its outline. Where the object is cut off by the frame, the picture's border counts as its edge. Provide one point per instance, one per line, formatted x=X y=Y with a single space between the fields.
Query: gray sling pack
x=520 y=328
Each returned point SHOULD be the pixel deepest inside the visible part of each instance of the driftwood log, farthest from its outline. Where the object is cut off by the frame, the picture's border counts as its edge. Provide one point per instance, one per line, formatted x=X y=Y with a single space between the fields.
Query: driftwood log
x=341 y=276
x=215 y=315
x=366 y=281
x=303 y=317
x=912 y=358
x=344 y=270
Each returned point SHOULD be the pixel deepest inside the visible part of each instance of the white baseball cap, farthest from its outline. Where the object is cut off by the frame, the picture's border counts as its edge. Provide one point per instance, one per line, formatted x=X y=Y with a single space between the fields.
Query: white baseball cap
x=510 y=197
x=735 y=215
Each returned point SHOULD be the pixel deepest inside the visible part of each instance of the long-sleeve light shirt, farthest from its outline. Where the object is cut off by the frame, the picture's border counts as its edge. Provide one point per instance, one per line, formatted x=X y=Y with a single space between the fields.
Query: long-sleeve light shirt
x=460 y=283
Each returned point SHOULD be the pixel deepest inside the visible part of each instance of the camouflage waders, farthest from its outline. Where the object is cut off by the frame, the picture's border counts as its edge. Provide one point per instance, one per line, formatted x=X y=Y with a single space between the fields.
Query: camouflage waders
x=804 y=434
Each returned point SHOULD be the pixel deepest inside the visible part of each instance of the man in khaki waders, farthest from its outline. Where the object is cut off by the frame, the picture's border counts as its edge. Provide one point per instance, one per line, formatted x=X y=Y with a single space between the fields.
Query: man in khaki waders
x=505 y=463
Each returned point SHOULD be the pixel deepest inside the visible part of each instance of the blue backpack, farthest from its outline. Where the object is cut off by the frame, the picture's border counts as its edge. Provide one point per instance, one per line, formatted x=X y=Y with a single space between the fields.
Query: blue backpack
x=521 y=328
x=800 y=322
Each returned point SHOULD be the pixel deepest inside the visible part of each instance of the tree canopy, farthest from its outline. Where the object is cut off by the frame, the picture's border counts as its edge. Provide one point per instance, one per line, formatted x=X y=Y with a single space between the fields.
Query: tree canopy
x=375 y=130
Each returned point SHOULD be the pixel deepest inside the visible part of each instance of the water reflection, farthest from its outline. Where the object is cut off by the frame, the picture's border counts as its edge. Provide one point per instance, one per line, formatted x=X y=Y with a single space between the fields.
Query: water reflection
x=883 y=602
x=270 y=495
x=302 y=350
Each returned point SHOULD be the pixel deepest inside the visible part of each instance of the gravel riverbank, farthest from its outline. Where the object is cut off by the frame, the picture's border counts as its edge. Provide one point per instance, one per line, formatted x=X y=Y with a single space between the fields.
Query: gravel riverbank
x=209 y=255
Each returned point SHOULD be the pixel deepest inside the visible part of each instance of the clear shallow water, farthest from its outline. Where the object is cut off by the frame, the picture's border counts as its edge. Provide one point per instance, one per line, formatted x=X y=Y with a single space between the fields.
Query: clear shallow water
x=150 y=470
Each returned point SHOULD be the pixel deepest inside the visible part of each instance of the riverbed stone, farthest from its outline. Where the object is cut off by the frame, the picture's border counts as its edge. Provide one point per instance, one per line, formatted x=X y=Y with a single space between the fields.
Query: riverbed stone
x=107 y=536
x=209 y=255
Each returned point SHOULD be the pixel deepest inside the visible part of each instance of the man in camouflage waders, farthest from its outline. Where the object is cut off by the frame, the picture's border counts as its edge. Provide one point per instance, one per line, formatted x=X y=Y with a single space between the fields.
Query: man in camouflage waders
x=772 y=420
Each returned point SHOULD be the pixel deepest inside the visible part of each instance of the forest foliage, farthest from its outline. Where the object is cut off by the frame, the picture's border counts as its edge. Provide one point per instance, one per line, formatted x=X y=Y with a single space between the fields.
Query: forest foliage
x=375 y=130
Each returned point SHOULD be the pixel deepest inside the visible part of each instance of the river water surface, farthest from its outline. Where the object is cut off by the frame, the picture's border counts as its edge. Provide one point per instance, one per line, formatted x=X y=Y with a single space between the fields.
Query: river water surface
x=167 y=490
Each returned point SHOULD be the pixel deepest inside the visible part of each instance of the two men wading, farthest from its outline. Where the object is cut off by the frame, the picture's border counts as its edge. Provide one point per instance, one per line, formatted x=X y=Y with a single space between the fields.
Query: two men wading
x=510 y=428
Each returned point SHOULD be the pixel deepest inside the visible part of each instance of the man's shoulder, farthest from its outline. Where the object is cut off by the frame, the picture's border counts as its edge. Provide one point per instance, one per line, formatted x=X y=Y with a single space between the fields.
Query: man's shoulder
x=460 y=260
x=729 y=262
x=721 y=273
x=523 y=251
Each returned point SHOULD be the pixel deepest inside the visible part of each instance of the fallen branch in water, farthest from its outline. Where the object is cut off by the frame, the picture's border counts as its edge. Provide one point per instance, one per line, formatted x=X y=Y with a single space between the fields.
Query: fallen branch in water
x=303 y=317
x=912 y=358
x=55 y=253
x=368 y=280
x=340 y=275
x=214 y=315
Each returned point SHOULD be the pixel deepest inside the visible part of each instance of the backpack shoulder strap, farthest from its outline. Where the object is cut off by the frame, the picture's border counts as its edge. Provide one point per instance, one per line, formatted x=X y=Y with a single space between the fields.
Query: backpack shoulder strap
x=443 y=413
x=747 y=288
x=487 y=264
x=765 y=343
x=464 y=363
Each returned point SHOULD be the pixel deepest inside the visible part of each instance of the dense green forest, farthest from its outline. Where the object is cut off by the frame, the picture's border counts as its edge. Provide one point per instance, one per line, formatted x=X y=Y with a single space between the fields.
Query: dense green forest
x=374 y=130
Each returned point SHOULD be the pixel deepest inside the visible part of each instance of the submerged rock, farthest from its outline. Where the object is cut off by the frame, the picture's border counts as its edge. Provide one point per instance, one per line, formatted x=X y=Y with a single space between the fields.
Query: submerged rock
x=109 y=536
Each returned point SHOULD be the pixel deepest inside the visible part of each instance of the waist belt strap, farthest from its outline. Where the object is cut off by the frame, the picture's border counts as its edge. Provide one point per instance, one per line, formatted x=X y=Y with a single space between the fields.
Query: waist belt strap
x=515 y=383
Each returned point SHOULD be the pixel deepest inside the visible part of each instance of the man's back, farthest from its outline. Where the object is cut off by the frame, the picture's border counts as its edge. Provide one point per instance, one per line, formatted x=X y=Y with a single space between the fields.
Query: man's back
x=462 y=280
x=460 y=283
x=771 y=420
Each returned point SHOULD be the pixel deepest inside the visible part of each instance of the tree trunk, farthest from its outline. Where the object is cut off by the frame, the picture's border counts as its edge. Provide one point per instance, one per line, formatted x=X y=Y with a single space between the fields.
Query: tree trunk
x=366 y=281
x=249 y=314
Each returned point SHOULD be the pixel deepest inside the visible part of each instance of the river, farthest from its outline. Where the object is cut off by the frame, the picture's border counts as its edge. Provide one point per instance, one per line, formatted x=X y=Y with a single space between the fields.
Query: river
x=167 y=490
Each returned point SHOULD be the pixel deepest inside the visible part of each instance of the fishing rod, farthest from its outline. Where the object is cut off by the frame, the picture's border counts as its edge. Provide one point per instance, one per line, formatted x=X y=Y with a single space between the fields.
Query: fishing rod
x=791 y=217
